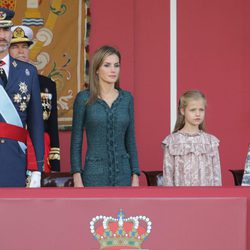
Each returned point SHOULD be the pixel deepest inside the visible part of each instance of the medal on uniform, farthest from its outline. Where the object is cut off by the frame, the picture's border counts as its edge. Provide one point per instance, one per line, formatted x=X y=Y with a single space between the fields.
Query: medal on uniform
x=22 y=97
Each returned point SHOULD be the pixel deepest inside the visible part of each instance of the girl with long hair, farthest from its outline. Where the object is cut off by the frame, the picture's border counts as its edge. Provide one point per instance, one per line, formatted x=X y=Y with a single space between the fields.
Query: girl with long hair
x=191 y=156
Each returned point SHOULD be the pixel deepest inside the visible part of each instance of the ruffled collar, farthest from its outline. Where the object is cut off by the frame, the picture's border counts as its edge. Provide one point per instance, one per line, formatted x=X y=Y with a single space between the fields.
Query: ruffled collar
x=180 y=143
x=189 y=134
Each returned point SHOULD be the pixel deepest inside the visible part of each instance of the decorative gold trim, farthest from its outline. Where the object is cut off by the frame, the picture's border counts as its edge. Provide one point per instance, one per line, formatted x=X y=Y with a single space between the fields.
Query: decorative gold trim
x=54 y=154
x=6 y=23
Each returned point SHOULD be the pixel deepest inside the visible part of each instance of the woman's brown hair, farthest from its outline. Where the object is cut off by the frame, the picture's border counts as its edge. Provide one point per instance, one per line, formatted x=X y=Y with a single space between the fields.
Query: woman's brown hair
x=96 y=62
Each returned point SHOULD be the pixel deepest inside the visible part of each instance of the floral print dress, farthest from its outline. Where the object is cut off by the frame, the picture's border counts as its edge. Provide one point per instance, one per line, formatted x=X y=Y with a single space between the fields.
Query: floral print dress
x=191 y=160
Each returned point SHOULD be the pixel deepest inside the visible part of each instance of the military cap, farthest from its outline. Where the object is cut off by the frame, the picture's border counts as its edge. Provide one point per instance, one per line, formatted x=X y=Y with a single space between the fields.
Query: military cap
x=5 y=17
x=21 y=34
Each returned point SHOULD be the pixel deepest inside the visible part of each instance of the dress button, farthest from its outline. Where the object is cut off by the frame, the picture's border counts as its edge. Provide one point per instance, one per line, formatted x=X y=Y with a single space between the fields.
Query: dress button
x=2 y=141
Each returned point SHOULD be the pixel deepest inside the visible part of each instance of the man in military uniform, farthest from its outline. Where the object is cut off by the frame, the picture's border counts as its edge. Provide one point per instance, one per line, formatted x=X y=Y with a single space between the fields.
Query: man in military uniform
x=21 y=123
x=21 y=40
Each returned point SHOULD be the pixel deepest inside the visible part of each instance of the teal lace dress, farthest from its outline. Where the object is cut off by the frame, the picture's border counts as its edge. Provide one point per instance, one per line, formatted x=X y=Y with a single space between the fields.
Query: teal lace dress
x=111 y=155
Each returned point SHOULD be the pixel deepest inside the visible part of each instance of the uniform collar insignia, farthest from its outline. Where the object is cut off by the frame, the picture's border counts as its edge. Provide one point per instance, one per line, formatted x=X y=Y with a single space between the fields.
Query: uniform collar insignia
x=14 y=63
x=27 y=72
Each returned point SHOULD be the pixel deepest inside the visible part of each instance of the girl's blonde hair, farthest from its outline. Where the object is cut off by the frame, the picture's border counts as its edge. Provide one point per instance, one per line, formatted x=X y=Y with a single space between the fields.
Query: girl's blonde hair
x=183 y=102
x=96 y=62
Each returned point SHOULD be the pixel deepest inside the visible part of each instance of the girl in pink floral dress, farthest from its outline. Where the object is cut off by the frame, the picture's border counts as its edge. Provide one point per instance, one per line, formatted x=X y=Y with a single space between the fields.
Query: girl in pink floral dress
x=191 y=156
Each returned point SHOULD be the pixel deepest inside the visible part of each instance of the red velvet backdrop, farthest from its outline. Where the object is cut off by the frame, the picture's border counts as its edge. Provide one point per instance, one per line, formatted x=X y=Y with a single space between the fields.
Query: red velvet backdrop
x=213 y=56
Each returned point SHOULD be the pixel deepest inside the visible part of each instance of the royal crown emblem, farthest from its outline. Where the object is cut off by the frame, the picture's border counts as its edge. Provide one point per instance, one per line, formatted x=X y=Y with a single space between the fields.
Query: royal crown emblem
x=112 y=233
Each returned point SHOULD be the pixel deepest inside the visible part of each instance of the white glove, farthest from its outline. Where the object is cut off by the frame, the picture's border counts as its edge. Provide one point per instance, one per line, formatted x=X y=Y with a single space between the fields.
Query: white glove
x=35 y=179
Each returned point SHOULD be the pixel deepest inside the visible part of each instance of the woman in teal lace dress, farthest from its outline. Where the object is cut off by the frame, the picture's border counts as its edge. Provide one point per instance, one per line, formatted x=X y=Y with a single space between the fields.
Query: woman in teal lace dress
x=106 y=113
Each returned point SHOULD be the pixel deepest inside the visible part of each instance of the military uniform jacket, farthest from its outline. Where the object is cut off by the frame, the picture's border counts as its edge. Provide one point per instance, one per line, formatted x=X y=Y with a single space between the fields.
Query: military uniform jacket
x=23 y=90
x=49 y=104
